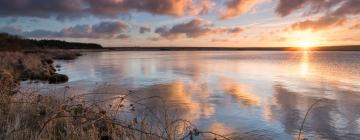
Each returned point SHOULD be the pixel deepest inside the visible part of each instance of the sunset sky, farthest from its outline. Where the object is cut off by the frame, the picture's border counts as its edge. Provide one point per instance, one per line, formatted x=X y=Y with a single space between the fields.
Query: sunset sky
x=208 y=23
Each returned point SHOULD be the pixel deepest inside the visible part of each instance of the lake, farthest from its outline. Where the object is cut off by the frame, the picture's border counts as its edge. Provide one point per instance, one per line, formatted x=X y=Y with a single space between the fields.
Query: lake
x=239 y=94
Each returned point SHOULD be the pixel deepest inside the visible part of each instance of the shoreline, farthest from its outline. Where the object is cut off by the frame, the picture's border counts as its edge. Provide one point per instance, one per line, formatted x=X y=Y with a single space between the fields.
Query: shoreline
x=321 y=48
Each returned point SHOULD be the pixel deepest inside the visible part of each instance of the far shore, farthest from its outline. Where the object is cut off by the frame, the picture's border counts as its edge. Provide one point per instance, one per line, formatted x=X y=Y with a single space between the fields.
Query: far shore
x=321 y=48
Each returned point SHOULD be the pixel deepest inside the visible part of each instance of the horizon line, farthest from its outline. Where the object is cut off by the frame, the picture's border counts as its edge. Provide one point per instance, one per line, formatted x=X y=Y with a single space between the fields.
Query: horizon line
x=176 y=48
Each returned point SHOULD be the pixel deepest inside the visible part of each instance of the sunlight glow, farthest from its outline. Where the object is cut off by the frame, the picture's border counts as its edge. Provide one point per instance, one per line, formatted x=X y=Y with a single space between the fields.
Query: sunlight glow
x=306 y=44
x=305 y=39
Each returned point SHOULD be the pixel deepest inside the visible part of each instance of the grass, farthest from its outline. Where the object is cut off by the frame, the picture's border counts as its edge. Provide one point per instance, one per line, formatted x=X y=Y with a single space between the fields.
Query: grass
x=30 y=115
x=34 y=65
x=20 y=66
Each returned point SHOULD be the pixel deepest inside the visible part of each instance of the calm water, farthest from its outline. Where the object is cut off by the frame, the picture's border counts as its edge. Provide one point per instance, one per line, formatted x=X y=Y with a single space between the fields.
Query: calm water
x=250 y=95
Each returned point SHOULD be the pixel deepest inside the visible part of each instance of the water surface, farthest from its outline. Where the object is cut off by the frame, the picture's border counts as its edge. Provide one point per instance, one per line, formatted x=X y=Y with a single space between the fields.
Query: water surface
x=244 y=94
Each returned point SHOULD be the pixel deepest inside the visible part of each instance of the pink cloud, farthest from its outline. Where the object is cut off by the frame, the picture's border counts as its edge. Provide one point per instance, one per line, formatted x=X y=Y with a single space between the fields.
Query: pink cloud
x=319 y=24
x=238 y=7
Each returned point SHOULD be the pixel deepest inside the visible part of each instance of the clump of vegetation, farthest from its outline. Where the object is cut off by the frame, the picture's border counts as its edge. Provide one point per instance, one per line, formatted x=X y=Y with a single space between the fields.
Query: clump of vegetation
x=25 y=66
x=18 y=66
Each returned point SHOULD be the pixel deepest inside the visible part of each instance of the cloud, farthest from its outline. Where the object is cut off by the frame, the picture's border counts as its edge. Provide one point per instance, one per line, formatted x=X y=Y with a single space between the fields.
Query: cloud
x=319 y=24
x=219 y=40
x=11 y=30
x=157 y=7
x=356 y=26
x=109 y=27
x=41 y=8
x=334 y=12
x=350 y=39
x=143 y=30
x=12 y=20
x=349 y=7
x=153 y=39
x=238 y=7
x=235 y=30
x=194 y=29
x=100 y=30
x=286 y=7
x=123 y=36
x=40 y=34
x=62 y=9
x=330 y=7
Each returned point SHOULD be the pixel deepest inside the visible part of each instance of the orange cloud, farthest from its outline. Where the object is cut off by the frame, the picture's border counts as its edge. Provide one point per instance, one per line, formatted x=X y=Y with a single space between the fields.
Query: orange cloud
x=219 y=40
x=79 y=8
x=238 y=7
x=357 y=26
x=335 y=12
x=319 y=24
x=160 y=7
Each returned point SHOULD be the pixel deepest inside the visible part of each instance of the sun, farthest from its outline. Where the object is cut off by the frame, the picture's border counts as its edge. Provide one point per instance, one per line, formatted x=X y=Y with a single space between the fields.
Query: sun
x=305 y=39
x=305 y=44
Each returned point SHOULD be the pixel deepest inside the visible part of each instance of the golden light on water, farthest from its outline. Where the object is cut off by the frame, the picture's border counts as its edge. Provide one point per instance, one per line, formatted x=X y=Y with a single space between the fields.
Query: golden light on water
x=304 y=64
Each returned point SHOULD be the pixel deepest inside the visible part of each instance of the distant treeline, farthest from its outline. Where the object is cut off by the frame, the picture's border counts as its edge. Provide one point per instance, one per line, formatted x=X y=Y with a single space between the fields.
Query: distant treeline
x=13 y=42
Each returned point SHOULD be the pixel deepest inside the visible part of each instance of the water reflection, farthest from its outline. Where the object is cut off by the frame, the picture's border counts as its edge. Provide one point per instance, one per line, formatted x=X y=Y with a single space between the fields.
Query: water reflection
x=177 y=96
x=326 y=121
x=249 y=95
x=239 y=92
x=304 y=65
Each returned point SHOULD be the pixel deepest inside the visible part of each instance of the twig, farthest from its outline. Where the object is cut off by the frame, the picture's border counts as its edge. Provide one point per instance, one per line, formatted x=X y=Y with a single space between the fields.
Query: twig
x=307 y=113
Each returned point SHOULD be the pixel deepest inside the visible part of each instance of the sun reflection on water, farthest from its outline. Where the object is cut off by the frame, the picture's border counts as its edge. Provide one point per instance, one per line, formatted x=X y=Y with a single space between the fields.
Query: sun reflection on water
x=305 y=64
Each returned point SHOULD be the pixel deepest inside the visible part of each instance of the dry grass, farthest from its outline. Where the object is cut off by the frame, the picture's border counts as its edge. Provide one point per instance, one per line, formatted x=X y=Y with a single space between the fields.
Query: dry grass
x=30 y=115
x=20 y=66
x=35 y=65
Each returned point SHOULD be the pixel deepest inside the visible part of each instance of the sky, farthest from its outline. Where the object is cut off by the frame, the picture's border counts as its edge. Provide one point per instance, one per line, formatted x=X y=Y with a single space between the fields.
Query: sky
x=186 y=23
